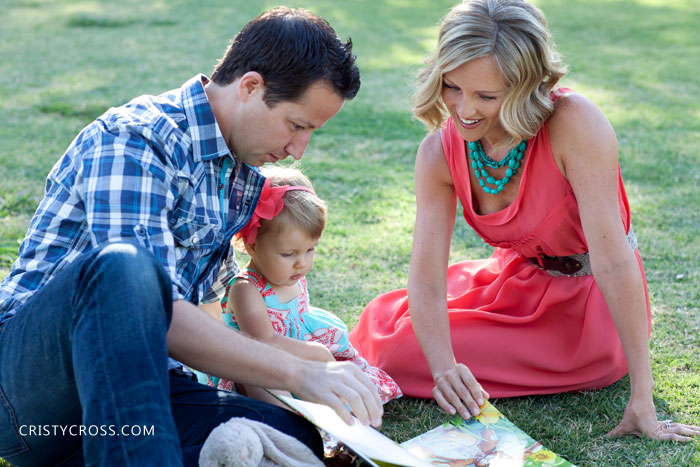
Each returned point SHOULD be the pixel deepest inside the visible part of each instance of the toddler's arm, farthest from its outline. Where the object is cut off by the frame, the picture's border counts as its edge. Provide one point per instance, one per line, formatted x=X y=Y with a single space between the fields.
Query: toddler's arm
x=249 y=308
x=212 y=309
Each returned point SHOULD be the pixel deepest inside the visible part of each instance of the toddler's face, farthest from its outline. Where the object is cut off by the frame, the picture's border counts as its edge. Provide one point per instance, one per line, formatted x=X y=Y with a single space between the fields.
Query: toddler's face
x=284 y=258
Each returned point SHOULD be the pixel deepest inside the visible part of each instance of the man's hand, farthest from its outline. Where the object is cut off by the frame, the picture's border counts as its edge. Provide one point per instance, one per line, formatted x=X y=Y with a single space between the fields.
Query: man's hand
x=336 y=384
x=199 y=341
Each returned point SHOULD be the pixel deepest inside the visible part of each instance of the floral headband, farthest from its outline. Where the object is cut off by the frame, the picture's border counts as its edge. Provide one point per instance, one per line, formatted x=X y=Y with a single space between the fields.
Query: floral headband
x=269 y=205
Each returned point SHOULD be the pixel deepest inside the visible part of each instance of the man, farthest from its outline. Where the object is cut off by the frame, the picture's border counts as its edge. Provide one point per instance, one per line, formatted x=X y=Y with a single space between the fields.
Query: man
x=133 y=232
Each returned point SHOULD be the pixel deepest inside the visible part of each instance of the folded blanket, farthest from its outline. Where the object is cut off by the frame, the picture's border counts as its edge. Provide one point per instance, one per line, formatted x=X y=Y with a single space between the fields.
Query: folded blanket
x=246 y=443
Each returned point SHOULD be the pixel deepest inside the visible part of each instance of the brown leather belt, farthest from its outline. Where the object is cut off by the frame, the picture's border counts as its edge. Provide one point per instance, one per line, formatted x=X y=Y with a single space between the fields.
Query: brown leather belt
x=574 y=265
x=564 y=265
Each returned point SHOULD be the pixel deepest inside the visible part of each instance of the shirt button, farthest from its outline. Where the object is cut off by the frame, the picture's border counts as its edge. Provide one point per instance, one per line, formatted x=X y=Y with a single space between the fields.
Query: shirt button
x=195 y=239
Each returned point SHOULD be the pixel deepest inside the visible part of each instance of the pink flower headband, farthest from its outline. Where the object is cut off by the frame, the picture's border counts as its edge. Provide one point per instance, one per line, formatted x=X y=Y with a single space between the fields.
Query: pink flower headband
x=269 y=205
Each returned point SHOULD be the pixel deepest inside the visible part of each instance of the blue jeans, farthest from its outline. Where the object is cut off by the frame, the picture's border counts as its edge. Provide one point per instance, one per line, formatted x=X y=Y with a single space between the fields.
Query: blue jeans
x=84 y=377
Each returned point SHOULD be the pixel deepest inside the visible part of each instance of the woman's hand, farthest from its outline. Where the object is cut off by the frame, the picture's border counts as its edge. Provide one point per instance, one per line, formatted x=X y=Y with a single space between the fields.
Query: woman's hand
x=640 y=419
x=457 y=391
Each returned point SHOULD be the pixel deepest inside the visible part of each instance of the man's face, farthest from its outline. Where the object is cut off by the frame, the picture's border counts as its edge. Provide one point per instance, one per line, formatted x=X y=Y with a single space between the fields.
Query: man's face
x=269 y=134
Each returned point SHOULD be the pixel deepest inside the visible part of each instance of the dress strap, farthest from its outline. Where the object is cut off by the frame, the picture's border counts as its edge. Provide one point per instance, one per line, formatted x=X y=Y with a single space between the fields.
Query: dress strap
x=556 y=94
x=253 y=276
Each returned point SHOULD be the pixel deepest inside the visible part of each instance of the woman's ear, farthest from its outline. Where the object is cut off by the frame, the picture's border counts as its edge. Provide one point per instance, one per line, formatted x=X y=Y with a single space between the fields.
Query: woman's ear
x=249 y=85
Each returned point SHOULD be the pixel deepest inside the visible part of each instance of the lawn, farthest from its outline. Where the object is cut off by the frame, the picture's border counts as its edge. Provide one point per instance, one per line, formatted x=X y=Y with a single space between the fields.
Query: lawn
x=62 y=63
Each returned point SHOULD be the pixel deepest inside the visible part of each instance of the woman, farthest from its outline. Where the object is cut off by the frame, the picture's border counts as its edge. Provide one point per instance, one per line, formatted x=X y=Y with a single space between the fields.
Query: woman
x=562 y=303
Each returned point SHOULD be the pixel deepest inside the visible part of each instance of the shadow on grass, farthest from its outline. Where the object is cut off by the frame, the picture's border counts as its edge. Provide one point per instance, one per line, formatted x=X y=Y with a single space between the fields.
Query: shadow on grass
x=85 y=20
x=85 y=111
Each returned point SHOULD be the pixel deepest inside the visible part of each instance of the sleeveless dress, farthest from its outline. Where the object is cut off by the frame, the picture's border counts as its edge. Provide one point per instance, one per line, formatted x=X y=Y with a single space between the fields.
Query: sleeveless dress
x=299 y=320
x=519 y=330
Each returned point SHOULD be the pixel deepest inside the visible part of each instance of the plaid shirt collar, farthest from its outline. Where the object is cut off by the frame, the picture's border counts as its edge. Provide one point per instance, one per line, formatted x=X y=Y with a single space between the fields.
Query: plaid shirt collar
x=207 y=141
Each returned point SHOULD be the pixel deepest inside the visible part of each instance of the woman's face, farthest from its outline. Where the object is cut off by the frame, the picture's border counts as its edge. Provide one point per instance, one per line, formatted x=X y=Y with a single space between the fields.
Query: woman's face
x=473 y=94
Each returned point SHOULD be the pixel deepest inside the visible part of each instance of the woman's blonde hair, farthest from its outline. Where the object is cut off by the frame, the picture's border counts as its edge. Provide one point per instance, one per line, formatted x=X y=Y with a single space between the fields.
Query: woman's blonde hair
x=515 y=34
x=302 y=209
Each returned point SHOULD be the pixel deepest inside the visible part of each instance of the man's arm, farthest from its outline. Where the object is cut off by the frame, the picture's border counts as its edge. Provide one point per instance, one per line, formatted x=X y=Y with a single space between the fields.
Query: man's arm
x=201 y=342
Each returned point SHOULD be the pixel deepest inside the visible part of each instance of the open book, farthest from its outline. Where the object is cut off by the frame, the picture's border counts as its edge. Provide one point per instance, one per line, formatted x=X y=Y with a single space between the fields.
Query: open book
x=487 y=440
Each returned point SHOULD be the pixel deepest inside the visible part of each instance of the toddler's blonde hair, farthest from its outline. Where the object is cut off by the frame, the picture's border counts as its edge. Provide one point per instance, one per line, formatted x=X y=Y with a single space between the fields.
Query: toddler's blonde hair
x=302 y=209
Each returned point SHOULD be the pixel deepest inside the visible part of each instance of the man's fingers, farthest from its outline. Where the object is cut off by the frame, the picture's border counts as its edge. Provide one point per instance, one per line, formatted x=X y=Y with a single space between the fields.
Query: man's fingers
x=371 y=400
x=338 y=405
x=362 y=397
x=345 y=389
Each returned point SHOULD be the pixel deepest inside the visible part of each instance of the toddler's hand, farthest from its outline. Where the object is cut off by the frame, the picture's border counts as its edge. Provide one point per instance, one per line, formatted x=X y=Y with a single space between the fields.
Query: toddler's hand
x=321 y=353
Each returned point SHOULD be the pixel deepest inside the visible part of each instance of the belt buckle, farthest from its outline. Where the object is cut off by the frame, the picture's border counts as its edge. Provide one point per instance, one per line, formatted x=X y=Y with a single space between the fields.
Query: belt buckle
x=571 y=265
x=563 y=264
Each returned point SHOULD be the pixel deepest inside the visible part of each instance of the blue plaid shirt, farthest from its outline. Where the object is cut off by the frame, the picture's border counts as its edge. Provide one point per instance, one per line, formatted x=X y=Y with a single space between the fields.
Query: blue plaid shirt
x=155 y=171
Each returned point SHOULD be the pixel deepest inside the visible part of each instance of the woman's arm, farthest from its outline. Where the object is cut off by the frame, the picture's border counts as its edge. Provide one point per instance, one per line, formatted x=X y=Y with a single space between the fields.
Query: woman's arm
x=455 y=387
x=249 y=308
x=585 y=147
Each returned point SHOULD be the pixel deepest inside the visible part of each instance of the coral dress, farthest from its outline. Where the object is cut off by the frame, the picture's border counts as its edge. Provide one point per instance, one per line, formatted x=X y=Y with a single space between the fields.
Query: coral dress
x=518 y=329
x=299 y=320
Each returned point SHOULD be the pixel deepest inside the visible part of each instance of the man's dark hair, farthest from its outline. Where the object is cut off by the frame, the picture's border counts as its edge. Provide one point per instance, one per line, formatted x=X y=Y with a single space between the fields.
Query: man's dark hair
x=291 y=49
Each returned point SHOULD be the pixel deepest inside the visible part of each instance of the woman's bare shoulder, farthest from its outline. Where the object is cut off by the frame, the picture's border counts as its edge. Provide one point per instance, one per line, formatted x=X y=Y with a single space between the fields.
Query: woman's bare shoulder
x=577 y=126
x=575 y=112
x=431 y=146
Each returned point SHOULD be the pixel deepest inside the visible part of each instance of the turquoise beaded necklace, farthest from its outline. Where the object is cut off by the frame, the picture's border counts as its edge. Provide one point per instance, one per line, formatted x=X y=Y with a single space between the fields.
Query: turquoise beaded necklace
x=480 y=161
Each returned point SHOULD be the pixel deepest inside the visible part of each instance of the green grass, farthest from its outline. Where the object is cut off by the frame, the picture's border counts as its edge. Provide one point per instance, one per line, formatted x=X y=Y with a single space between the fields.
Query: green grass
x=62 y=63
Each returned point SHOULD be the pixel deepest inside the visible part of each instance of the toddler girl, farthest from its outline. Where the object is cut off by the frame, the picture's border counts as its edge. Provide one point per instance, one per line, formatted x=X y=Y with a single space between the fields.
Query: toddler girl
x=268 y=300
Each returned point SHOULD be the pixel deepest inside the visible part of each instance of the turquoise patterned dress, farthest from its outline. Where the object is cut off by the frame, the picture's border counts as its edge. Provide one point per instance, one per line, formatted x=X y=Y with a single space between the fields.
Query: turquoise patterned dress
x=299 y=320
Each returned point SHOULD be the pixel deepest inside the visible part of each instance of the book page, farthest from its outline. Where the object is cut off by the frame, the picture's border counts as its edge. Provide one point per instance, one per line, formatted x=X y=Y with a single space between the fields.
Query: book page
x=488 y=439
x=364 y=440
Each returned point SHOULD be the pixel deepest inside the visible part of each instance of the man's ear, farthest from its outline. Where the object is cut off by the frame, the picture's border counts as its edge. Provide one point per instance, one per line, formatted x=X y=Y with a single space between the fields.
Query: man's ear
x=249 y=85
